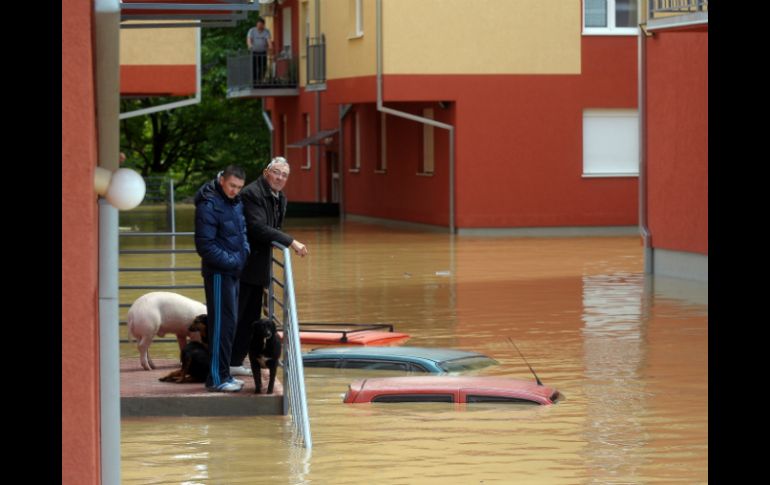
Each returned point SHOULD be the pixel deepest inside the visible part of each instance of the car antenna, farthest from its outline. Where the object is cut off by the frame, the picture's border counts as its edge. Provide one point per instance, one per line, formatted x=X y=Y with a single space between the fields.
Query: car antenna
x=537 y=379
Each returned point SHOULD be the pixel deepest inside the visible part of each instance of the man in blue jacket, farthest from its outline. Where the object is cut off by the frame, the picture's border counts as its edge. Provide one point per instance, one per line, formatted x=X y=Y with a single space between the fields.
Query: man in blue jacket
x=220 y=239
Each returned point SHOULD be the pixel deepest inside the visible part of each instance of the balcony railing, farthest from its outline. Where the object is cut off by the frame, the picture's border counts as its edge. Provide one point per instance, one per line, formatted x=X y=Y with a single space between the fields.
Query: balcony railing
x=249 y=73
x=316 y=60
x=667 y=8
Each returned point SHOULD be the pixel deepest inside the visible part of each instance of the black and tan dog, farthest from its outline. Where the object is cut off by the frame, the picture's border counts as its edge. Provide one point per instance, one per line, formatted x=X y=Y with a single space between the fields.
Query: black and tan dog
x=264 y=351
x=195 y=356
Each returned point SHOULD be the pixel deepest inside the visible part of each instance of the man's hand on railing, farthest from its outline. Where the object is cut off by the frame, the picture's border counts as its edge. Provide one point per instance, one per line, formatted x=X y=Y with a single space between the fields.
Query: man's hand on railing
x=299 y=248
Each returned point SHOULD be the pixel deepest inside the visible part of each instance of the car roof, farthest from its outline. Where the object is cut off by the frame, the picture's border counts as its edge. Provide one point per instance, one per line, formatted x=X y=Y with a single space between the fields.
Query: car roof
x=405 y=352
x=436 y=383
x=449 y=384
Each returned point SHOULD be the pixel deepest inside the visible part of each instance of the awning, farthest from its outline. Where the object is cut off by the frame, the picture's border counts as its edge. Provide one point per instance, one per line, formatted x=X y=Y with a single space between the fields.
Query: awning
x=202 y=13
x=313 y=140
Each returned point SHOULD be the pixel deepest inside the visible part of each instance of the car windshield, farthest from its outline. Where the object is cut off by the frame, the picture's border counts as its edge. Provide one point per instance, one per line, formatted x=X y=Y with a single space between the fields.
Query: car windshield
x=466 y=364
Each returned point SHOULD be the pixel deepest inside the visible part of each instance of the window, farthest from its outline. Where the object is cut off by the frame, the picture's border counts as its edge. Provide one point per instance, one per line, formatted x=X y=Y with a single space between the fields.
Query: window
x=286 y=28
x=382 y=163
x=428 y=150
x=306 y=22
x=466 y=364
x=610 y=17
x=610 y=143
x=373 y=365
x=505 y=399
x=331 y=363
x=356 y=143
x=285 y=134
x=306 y=116
x=413 y=398
x=358 y=18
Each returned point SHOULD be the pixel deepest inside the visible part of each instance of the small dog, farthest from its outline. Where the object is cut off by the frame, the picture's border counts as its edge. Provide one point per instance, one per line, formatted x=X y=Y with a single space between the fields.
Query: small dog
x=264 y=350
x=195 y=356
x=161 y=312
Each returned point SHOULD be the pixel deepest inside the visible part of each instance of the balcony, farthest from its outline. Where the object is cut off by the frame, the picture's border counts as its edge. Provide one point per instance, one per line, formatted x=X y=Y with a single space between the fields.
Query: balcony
x=665 y=14
x=316 y=63
x=257 y=76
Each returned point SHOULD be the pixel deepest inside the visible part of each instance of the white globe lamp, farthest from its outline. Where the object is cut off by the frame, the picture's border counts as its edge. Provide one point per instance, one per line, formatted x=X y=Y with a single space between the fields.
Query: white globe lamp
x=124 y=189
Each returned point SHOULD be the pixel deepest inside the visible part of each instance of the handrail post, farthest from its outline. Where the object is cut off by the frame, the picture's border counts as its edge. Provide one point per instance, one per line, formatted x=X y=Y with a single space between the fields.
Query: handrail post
x=294 y=376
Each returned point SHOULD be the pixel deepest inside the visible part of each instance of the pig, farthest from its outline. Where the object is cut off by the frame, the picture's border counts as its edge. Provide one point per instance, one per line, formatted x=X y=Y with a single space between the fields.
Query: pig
x=161 y=312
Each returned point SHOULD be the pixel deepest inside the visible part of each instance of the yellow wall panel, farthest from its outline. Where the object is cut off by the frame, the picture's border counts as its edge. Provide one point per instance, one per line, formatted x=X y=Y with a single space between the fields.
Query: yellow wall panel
x=482 y=36
x=158 y=46
x=346 y=54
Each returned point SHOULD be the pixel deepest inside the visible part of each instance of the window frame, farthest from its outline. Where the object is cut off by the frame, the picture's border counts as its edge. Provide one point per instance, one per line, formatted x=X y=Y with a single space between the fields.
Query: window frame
x=610 y=29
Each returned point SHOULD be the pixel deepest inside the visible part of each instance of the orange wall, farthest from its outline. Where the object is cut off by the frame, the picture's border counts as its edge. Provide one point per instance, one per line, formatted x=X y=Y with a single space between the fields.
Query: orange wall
x=677 y=140
x=301 y=185
x=157 y=80
x=80 y=347
x=519 y=140
x=518 y=147
x=399 y=193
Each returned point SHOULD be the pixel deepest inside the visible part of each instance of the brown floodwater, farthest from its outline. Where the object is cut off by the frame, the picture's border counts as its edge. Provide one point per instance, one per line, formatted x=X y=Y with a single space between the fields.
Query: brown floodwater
x=629 y=352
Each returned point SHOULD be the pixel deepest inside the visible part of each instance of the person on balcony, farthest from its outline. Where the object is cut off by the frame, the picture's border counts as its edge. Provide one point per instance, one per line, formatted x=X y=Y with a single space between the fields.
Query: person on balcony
x=264 y=206
x=260 y=44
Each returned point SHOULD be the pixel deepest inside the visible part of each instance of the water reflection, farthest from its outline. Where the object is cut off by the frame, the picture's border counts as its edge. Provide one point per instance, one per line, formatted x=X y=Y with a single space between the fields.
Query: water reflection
x=614 y=353
x=630 y=355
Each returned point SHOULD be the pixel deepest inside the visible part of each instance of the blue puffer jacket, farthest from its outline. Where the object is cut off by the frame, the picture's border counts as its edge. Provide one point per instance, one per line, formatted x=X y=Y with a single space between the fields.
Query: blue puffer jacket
x=220 y=231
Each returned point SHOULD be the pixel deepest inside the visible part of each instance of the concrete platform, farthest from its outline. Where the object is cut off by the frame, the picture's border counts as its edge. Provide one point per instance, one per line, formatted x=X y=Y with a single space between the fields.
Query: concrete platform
x=142 y=394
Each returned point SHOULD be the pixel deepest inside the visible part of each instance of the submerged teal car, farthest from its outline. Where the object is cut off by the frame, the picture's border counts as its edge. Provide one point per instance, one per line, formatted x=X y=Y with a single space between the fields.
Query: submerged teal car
x=412 y=359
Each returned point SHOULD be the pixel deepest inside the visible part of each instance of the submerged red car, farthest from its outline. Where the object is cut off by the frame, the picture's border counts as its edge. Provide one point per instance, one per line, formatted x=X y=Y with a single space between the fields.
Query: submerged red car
x=455 y=389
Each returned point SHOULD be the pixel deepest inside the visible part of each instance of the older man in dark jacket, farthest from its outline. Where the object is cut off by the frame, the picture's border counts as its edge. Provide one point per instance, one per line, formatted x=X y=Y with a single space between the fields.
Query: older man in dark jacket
x=221 y=242
x=264 y=206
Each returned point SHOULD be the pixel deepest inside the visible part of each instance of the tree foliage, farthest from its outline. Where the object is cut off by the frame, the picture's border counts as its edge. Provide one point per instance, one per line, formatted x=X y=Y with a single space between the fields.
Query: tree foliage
x=192 y=143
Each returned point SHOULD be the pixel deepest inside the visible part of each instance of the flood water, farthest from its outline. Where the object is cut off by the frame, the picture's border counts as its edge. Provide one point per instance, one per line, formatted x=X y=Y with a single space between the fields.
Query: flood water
x=629 y=352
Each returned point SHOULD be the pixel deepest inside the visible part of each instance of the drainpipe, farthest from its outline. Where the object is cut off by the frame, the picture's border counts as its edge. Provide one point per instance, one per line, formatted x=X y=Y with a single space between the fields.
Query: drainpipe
x=344 y=110
x=318 y=113
x=106 y=46
x=642 y=90
x=269 y=124
x=419 y=119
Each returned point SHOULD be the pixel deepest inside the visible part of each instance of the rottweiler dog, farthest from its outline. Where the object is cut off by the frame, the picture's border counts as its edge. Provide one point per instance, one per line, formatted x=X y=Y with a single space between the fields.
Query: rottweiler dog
x=264 y=350
x=195 y=356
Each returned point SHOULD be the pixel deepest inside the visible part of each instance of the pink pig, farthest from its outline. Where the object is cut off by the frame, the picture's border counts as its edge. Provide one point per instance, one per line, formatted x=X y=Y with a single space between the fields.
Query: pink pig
x=161 y=312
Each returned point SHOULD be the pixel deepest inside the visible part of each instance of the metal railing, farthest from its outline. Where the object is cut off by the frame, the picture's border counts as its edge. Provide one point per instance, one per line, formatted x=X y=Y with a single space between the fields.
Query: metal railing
x=676 y=6
x=281 y=292
x=248 y=71
x=316 y=59
x=173 y=269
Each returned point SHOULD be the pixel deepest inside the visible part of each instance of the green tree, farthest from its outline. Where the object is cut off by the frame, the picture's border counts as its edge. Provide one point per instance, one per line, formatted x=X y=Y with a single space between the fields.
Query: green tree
x=194 y=142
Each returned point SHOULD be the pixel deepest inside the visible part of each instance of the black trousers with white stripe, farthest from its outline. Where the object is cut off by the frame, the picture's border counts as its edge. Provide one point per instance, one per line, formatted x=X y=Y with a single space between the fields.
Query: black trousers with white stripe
x=222 y=309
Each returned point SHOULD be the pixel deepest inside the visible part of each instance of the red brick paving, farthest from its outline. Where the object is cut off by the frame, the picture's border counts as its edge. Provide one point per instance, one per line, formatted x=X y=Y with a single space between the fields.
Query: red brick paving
x=142 y=394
